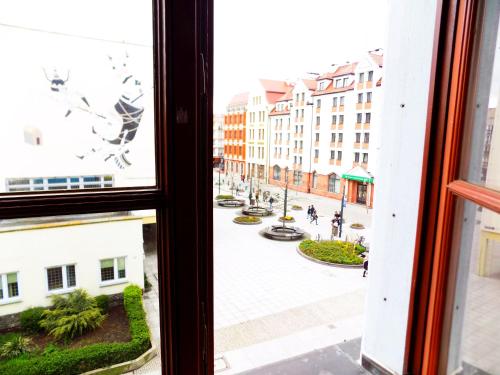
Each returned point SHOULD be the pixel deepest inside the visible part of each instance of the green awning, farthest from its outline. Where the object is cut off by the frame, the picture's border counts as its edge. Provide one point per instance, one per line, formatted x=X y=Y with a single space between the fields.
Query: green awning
x=357 y=178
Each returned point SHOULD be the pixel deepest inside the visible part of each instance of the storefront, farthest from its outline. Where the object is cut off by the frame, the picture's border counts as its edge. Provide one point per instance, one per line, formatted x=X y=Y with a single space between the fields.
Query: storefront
x=360 y=186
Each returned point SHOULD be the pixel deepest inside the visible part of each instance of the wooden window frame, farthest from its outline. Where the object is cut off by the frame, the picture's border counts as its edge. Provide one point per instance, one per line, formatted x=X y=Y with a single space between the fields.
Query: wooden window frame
x=428 y=320
x=182 y=197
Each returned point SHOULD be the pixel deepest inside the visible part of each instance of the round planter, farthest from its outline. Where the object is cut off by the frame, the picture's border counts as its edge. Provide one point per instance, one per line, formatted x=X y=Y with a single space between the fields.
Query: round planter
x=286 y=221
x=231 y=203
x=297 y=208
x=357 y=226
x=246 y=223
x=256 y=211
x=340 y=265
x=280 y=233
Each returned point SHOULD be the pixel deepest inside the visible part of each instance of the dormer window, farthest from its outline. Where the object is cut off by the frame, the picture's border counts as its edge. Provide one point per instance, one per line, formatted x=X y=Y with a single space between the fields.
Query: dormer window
x=345 y=82
x=322 y=85
x=338 y=83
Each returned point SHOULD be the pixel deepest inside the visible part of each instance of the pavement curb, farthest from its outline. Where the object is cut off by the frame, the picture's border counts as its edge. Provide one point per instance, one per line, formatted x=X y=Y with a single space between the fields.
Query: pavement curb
x=327 y=263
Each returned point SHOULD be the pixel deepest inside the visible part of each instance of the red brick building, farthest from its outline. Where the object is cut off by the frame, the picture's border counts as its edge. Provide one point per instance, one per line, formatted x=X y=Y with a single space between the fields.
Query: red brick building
x=234 y=134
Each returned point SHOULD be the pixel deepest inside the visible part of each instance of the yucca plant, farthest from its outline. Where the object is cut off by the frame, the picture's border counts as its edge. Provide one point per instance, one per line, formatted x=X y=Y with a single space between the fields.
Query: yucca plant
x=16 y=346
x=72 y=316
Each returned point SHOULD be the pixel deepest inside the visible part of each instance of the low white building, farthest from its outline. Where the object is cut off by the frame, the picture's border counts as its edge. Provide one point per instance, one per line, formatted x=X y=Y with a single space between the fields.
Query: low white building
x=42 y=257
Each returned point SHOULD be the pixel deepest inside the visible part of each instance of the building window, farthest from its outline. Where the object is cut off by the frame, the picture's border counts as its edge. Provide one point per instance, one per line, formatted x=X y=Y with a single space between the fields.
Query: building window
x=318 y=103
x=332 y=155
x=301 y=129
x=342 y=100
x=341 y=137
x=339 y=155
x=297 y=97
x=358 y=137
x=338 y=83
x=333 y=137
x=276 y=172
x=359 y=117
x=314 y=180
x=300 y=160
x=341 y=119
x=334 y=120
x=370 y=76
x=361 y=77
x=356 y=157
x=295 y=159
x=113 y=269
x=9 y=287
x=59 y=183
x=368 y=117
x=360 y=98
x=344 y=83
x=297 y=177
x=316 y=154
x=318 y=120
x=368 y=97
x=335 y=102
x=317 y=137
x=333 y=183
x=365 y=158
x=61 y=278
x=302 y=113
x=303 y=96
x=367 y=138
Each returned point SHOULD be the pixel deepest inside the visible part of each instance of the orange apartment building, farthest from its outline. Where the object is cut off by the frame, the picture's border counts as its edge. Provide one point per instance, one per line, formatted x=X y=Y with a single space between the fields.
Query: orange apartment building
x=234 y=135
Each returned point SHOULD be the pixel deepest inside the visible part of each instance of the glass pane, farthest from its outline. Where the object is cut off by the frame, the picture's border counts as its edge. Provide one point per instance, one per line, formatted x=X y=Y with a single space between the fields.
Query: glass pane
x=54 y=278
x=121 y=268
x=70 y=276
x=77 y=245
x=481 y=163
x=80 y=99
x=474 y=342
x=107 y=270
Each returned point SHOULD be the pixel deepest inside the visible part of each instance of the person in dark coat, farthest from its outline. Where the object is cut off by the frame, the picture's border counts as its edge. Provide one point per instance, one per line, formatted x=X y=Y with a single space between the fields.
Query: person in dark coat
x=314 y=217
x=365 y=266
x=309 y=211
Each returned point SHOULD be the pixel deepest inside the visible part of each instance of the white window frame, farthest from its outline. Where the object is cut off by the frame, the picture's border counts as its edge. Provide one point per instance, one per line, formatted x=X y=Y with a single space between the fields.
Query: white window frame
x=5 y=288
x=65 y=288
x=115 y=280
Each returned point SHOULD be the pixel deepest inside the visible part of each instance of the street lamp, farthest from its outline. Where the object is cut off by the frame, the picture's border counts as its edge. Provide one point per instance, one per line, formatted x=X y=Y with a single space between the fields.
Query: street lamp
x=310 y=146
x=286 y=195
x=342 y=212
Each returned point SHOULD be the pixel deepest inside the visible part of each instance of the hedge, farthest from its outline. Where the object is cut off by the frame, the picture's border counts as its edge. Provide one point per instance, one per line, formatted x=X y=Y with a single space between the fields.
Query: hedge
x=76 y=361
x=339 y=252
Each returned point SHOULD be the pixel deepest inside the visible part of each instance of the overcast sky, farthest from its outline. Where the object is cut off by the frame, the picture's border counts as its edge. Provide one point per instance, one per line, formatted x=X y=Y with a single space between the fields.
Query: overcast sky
x=283 y=39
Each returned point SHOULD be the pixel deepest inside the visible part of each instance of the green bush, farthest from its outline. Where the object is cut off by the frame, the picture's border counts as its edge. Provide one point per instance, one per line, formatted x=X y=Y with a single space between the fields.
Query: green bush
x=72 y=315
x=16 y=346
x=76 y=361
x=102 y=302
x=332 y=251
x=147 y=284
x=224 y=196
x=247 y=219
x=7 y=337
x=30 y=319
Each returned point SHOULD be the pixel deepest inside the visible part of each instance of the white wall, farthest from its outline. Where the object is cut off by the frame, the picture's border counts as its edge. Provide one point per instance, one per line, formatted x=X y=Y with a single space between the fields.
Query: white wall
x=29 y=252
x=406 y=81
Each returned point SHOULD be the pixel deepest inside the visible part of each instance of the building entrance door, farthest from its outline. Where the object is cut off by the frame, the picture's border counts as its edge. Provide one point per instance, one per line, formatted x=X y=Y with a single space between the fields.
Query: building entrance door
x=361 y=196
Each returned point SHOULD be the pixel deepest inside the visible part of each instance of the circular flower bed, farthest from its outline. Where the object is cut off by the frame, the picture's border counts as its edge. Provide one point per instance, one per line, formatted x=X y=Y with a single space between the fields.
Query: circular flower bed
x=296 y=207
x=247 y=220
x=224 y=196
x=357 y=226
x=335 y=252
x=286 y=219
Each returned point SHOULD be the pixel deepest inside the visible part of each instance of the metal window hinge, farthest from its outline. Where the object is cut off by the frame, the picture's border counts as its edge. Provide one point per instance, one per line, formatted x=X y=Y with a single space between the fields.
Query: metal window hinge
x=205 y=69
x=205 y=339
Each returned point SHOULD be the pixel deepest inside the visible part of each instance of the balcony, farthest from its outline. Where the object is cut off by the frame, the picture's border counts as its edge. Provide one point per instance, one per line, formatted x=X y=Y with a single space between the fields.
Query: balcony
x=359 y=106
x=338 y=162
x=300 y=150
x=368 y=105
x=318 y=109
x=364 y=165
x=369 y=84
x=339 y=144
x=365 y=146
x=366 y=126
x=359 y=86
x=334 y=109
x=333 y=126
x=332 y=144
x=316 y=160
x=341 y=108
x=357 y=145
x=332 y=162
x=340 y=126
x=357 y=126
x=316 y=143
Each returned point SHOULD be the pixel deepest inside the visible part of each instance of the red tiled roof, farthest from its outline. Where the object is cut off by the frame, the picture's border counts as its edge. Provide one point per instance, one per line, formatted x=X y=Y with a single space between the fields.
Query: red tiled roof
x=332 y=90
x=288 y=95
x=340 y=71
x=379 y=59
x=310 y=84
x=274 y=112
x=273 y=97
x=272 y=85
x=241 y=98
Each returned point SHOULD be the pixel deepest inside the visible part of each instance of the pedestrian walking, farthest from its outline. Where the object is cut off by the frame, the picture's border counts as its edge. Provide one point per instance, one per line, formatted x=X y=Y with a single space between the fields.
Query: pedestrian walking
x=271 y=201
x=314 y=217
x=309 y=212
x=335 y=228
x=336 y=216
x=365 y=266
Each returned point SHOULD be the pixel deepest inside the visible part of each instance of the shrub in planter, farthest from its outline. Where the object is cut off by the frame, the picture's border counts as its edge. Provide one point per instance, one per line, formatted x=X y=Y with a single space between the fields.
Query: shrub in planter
x=339 y=252
x=16 y=346
x=224 y=196
x=72 y=315
x=357 y=226
x=102 y=302
x=77 y=361
x=147 y=284
x=30 y=319
x=287 y=218
x=248 y=219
